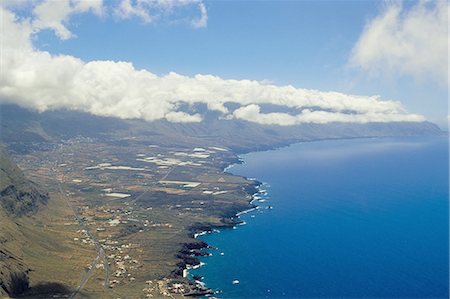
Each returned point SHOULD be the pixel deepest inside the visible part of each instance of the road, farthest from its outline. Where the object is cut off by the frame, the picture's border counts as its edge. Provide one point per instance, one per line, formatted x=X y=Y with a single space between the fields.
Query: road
x=101 y=256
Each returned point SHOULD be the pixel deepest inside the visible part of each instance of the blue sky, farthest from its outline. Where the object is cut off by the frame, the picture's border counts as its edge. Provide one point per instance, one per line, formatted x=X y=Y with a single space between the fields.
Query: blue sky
x=288 y=42
x=307 y=44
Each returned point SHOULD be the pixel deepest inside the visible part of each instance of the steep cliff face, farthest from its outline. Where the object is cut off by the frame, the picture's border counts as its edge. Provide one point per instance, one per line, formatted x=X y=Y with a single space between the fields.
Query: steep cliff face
x=18 y=197
x=13 y=274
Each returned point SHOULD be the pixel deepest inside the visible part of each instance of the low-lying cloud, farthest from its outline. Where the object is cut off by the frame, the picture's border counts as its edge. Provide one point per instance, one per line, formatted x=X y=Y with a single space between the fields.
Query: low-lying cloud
x=37 y=79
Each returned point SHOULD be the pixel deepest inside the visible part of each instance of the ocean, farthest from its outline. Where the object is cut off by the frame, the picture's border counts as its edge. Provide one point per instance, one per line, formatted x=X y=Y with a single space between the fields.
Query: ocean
x=353 y=218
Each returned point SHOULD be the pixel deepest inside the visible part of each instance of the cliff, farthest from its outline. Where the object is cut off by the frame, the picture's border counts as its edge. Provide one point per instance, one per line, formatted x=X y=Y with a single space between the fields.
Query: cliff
x=19 y=197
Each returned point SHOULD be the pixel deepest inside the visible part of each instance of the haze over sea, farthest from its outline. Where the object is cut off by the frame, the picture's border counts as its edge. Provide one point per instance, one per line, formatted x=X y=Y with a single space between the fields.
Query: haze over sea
x=350 y=218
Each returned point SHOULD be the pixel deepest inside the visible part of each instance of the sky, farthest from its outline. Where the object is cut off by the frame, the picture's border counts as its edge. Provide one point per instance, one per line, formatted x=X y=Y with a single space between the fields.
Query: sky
x=349 y=61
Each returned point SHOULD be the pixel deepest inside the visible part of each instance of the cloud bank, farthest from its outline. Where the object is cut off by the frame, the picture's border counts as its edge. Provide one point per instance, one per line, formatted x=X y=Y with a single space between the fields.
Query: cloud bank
x=37 y=79
x=406 y=41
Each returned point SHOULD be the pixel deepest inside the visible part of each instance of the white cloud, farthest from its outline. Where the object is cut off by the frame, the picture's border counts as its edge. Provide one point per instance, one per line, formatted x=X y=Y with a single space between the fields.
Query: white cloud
x=406 y=41
x=151 y=10
x=179 y=116
x=252 y=112
x=126 y=10
x=203 y=19
x=15 y=3
x=54 y=14
x=39 y=80
x=96 y=6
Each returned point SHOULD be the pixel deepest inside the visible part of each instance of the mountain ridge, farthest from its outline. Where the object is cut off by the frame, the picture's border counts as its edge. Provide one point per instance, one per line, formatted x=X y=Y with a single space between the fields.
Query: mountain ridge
x=22 y=128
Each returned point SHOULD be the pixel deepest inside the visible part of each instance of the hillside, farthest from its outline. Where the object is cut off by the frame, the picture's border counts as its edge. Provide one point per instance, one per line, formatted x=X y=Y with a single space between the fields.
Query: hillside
x=34 y=238
x=19 y=196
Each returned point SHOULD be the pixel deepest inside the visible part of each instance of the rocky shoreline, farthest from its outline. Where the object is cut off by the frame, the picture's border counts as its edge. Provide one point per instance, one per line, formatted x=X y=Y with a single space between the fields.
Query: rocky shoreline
x=190 y=252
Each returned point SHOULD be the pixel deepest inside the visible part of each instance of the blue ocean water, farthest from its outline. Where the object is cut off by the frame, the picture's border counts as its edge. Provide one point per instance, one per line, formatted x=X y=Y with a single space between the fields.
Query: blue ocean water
x=350 y=219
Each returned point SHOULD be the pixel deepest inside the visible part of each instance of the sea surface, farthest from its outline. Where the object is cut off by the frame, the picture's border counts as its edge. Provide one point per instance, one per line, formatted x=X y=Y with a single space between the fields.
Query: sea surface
x=343 y=219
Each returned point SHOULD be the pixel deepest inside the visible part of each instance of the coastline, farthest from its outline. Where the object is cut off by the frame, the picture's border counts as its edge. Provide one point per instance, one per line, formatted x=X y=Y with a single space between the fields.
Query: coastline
x=191 y=251
x=196 y=249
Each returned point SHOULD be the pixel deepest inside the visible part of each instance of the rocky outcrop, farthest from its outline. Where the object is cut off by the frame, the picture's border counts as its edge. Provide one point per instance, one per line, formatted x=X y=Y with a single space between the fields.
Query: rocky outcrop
x=18 y=195
x=13 y=275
